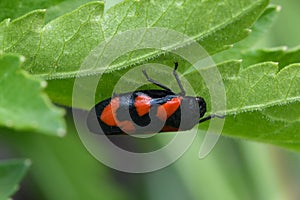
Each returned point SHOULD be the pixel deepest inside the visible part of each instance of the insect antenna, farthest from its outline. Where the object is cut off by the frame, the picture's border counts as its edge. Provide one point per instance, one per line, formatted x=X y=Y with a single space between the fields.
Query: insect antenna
x=182 y=93
x=155 y=82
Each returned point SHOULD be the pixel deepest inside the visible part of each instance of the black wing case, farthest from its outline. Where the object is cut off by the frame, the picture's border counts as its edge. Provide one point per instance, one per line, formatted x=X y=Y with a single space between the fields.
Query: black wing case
x=95 y=125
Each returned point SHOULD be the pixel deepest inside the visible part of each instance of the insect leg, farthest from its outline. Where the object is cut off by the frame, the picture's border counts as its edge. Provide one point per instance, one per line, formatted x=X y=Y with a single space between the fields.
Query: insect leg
x=182 y=93
x=155 y=82
x=210 y=117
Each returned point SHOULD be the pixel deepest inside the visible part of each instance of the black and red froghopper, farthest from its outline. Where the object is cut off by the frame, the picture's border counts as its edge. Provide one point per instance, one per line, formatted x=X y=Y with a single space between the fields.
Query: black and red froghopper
x=148 y=111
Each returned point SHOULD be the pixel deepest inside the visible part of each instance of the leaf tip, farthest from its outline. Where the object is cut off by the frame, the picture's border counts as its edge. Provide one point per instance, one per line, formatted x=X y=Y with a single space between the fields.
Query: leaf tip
x=43 y=84
x=7 y=21
x=27 y=162
x=248 y=30
x=284 y=48
x=278 y=8
x=61 y=132
x=228 y=46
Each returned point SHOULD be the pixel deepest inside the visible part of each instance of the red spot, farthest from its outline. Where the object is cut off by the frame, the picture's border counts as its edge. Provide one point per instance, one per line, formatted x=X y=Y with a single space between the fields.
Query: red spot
x=167 y=109
x=169 y=129
x=108 y=115
x=142 y=104
x=126 y=126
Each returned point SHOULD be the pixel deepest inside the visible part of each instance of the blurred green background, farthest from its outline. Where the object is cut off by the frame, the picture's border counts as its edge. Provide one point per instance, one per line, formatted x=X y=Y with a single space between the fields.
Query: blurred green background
x=63 y=169
x=286 y=30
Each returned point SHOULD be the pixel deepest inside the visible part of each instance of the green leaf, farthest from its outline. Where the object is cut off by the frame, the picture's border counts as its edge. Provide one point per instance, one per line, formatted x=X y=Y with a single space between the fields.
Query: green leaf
x=282 y=55
x=23 y=106
x=11 y=173
x=19 y=37
x=58 y=49
x=61 y=8
x=65 y=166
x=251 y=90
x=266 y=126
x=246 y=50
x=256 y=87
x=16 y=8
x=54 y=8
x=262 y=104
x=261 y=26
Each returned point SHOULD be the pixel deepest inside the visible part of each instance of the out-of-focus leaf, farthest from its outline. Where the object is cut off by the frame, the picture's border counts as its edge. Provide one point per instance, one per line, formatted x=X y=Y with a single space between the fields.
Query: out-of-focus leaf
x=63 y=168
x=282 y=55
x=261 y=26
x=11 y=173
x=23 y=105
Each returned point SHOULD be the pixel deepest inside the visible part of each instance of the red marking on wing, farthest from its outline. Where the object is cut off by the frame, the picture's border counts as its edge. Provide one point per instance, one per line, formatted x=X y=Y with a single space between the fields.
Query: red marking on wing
x=142 y=104
x=126 y=126
x=108 y=116
x=169 y=129
x=167 y=109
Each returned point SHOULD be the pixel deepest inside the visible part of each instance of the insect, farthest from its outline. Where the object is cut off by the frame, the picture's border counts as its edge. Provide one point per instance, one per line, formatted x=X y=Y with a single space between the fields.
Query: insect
x=148 y=111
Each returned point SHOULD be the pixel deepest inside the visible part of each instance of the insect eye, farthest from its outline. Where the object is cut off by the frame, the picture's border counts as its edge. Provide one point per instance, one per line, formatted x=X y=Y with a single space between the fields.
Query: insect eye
x=202 y=105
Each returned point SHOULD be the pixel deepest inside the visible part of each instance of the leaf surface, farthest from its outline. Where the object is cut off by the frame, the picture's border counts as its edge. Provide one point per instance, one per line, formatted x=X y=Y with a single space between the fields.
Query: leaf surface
x=23 y=105
x=57 y=49
x=261 y=26
x=282 y=55
x=262 y=103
